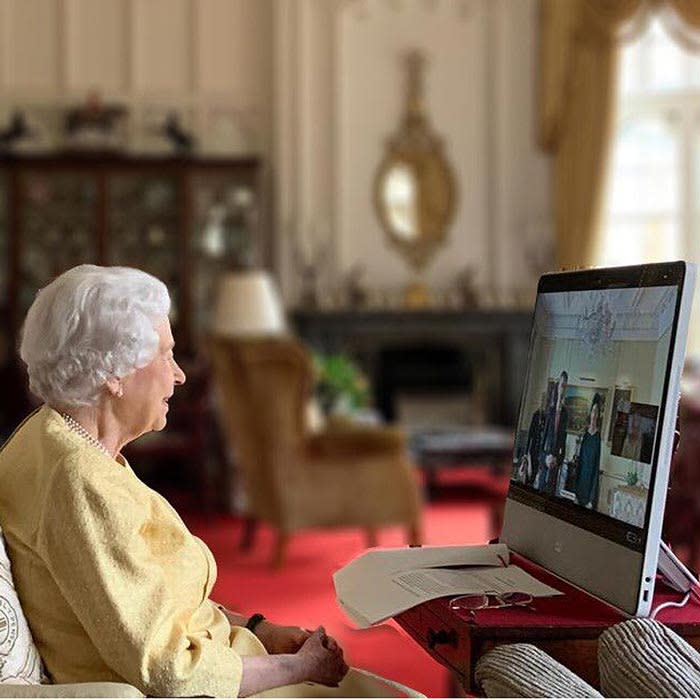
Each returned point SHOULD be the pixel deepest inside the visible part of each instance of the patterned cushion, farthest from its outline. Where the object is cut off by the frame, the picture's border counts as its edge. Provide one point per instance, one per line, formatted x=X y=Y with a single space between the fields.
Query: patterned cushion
x=19 y=659
x=525 y=671
x=642 y=658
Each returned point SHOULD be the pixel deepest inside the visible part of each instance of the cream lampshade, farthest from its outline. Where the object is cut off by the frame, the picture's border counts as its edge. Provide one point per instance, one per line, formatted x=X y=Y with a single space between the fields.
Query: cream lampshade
x=248 y=305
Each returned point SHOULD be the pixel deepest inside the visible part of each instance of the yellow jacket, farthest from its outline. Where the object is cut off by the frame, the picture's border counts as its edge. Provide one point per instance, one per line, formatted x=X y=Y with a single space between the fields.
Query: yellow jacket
x=114 y=586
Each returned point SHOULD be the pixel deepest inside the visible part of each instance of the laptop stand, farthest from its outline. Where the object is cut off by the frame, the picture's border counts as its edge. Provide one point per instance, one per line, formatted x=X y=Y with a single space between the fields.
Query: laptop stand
x=674 y=572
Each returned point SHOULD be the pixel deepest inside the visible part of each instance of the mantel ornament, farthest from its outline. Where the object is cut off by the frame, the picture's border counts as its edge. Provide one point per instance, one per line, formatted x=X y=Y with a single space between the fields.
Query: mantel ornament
x=414 y=190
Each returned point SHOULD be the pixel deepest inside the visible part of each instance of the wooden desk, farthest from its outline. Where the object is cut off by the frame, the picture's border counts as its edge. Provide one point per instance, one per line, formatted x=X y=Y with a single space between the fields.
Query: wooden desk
x=567 y=630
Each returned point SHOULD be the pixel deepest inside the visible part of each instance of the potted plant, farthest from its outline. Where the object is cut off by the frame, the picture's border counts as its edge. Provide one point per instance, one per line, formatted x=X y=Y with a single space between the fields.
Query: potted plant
x=341 y=387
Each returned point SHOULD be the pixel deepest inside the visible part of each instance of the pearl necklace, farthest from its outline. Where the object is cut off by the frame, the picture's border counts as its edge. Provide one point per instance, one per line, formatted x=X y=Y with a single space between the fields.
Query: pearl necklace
x=77 y=428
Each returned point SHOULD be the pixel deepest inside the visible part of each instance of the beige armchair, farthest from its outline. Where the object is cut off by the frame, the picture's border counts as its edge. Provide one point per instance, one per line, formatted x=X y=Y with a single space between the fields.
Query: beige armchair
x=294 y=479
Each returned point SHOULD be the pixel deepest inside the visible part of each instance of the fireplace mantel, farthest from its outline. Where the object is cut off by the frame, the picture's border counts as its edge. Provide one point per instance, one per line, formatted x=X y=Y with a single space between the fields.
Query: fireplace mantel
x=496 y=341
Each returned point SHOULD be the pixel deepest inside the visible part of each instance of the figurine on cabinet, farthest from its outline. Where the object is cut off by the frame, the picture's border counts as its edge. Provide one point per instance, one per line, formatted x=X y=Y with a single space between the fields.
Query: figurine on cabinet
x=95 y=125
x=182 y=141
x=17 y=130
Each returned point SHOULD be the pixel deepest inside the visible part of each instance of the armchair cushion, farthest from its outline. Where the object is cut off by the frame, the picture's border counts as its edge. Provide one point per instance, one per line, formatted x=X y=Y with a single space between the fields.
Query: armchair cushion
x=525 y=671
x=20 y=662
x=358 y=683
x=641 y=658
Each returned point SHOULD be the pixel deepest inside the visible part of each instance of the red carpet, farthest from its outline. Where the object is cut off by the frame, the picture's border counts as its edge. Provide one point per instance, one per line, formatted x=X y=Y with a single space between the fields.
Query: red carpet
x=302 y=593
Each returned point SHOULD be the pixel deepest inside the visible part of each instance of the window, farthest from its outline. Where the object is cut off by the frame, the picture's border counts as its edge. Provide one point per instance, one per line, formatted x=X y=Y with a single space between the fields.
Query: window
x=651 y=211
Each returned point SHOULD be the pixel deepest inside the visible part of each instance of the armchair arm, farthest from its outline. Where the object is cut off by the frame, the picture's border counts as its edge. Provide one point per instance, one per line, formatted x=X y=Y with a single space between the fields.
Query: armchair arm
x=355 y=441
x=70 y=690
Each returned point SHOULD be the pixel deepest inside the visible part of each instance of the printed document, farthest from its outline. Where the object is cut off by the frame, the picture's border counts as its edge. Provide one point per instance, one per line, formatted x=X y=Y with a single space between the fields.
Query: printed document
x=382 y=583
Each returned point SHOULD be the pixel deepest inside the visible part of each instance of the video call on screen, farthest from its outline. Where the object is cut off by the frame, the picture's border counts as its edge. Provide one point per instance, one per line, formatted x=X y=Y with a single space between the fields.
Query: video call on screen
x=590 y=412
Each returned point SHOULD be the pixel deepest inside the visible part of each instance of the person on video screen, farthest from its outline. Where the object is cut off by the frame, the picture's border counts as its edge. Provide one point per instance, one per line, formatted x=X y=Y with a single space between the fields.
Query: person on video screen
x=533 y=447
x=554 y=441
x=589 y=458
x=632 y=446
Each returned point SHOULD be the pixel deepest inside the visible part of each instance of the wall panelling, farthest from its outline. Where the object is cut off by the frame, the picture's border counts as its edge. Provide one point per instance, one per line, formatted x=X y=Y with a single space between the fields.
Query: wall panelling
x=30 y=45
x=165 y=24
x=211 y=60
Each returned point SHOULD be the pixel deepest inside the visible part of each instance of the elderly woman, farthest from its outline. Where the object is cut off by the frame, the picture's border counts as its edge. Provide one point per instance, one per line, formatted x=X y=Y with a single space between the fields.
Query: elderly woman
x=114 y=586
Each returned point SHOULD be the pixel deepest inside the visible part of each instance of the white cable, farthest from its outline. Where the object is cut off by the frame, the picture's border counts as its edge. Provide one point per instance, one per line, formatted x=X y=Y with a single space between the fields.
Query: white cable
x=669 y=604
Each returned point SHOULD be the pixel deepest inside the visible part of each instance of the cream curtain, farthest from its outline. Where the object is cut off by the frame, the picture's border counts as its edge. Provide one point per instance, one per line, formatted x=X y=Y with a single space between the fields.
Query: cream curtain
x=579 y=49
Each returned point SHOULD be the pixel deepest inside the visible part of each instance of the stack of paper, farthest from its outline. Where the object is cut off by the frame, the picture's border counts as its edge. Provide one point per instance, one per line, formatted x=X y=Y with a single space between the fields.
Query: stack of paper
x=384 y=582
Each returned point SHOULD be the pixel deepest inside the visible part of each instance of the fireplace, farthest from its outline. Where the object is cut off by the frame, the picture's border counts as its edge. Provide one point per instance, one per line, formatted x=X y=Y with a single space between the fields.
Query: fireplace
x=424 y=384
x=460 y=366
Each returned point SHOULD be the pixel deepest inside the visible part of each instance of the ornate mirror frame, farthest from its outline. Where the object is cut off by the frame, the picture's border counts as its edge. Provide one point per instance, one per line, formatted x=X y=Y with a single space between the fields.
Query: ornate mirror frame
x=415 y=168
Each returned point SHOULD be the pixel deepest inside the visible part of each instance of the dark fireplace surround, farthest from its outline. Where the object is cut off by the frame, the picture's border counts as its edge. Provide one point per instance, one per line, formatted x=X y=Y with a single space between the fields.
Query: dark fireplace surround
x=479 y=353
x=434 y=368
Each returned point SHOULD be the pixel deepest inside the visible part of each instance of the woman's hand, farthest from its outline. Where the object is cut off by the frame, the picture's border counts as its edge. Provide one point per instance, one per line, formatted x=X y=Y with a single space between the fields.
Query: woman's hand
x=321 y=659
x=279 y=639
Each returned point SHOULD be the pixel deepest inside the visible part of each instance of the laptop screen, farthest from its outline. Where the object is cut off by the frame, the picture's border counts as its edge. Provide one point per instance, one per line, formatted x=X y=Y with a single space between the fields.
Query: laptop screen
x=589 y=420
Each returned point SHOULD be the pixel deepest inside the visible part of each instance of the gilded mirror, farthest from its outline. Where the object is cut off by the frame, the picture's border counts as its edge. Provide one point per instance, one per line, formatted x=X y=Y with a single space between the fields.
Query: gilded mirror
x=414 y=192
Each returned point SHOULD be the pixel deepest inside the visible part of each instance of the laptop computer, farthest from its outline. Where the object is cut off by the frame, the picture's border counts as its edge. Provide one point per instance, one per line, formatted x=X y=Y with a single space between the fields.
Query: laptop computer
x=596 y=426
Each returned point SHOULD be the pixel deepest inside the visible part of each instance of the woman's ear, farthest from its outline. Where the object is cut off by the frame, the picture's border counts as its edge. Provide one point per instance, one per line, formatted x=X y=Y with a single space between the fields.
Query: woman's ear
x=114 y=387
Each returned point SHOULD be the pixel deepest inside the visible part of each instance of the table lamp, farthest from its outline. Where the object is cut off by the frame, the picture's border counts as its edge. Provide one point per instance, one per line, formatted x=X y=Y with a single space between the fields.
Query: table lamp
x=248 y=305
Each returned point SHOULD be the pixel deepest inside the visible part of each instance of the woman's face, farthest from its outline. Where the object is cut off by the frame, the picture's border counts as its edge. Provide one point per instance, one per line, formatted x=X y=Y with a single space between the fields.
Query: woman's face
x=595 y=415
x=143 y=405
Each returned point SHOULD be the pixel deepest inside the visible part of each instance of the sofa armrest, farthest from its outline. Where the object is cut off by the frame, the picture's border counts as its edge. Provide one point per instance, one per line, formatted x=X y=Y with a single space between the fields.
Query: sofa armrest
x=70 y=690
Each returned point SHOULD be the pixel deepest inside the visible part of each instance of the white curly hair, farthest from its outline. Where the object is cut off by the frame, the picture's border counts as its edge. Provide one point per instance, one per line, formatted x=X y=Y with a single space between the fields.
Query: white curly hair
x=88 y=325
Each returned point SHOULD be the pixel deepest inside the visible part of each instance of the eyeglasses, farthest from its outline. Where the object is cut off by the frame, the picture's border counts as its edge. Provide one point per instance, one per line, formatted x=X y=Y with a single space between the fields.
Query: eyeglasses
x=481 y=601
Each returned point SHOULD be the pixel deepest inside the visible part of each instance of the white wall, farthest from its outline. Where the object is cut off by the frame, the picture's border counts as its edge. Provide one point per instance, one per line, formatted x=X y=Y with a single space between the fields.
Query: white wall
x=339 y=94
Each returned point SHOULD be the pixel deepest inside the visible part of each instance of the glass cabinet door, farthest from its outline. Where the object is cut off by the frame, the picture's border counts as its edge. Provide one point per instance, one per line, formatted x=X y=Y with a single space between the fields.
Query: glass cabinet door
x=144 y=228
x=59 y=224
x=185 y=223
x=225 y=234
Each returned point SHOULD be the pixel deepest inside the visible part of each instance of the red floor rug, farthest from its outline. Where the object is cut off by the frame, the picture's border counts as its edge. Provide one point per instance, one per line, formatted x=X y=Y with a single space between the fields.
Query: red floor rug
x=302 y=592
